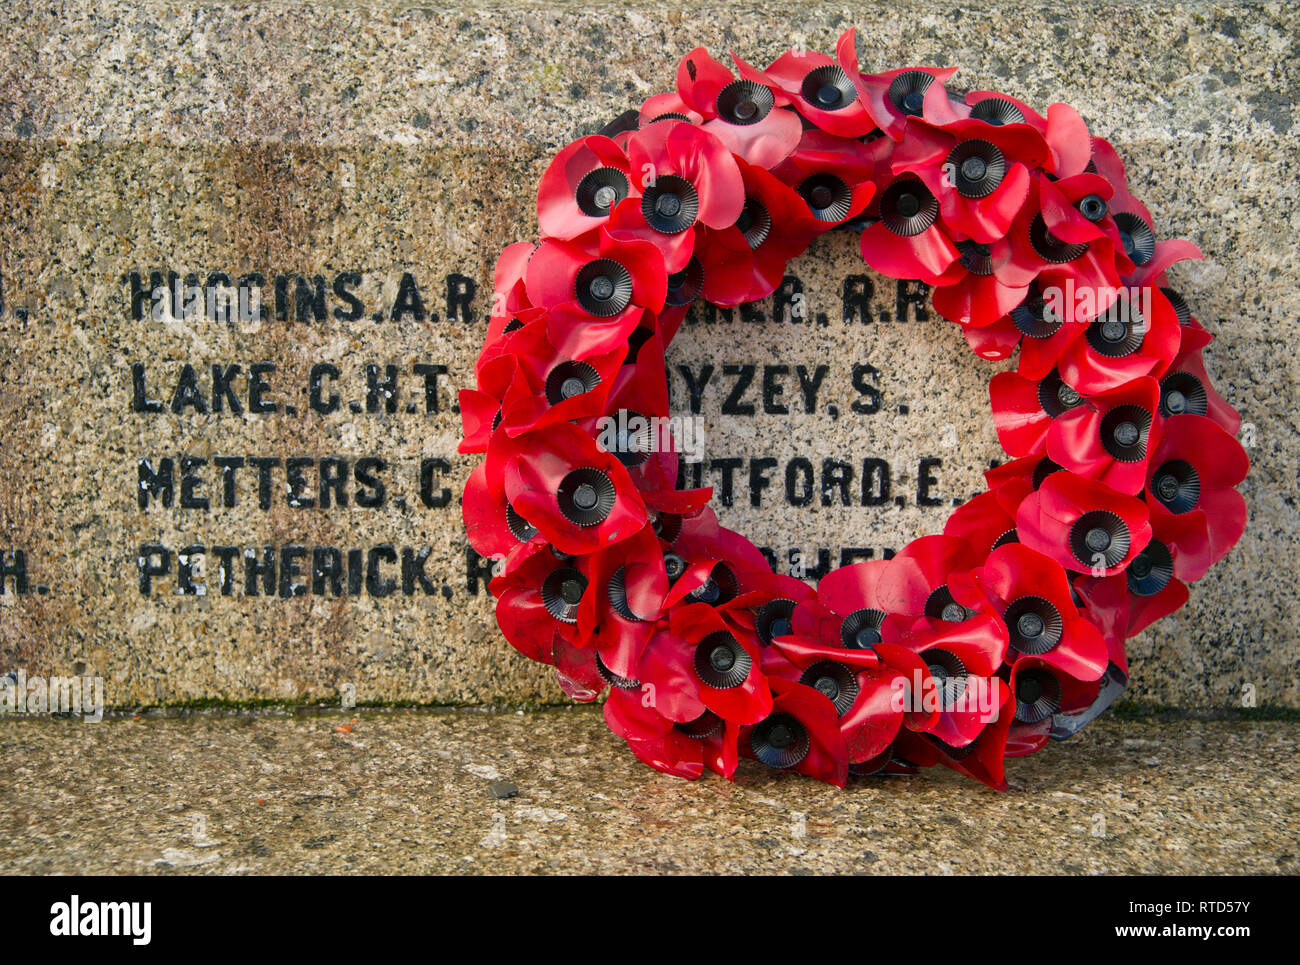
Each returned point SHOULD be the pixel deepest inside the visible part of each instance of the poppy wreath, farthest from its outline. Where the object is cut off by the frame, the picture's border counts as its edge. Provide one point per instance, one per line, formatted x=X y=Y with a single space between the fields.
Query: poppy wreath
x=963 y=648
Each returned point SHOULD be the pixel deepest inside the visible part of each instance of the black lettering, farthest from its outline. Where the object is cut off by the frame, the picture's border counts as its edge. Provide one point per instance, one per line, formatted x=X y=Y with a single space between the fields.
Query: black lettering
x=187 y=392
x=315 y=384
x=856 y=299
x=694 y=387
x=365 y=473
x=344 y=281
x=153 y=560
x=140 y=401
x=926 y=481
x=744 y=376
x=915 y=294
x=773 y=389
x=326 y=569
x=799 y=481
x=387 y=389
x=226 y=566
x=264 y=569
x=460 y=293
x=289 y=585
x=258 y=385
x=836 y=474
x=156 y=483
x=810 y=386
x=784 y=300
x=228 y=465
x=408 y=301
x=223 y=393
x=413 y=571
x=376 y=585
x=430 y=373
x=871 y=401
x=185 y=560
x=875 y=482
x=190 y=482
x=432 y=497
x=758 y=480
x=264 y=465
x=478 y=569
x=16 y=566
x=728 y=469
x=296 y=482
x=333 y=479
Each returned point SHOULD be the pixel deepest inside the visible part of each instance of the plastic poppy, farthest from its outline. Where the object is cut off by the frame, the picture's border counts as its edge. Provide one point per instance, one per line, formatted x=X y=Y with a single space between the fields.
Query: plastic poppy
x=801 y=734
x=581 y=187
x=1083 y=525
x=1111 y=436
x=1192 y=474
x=895 y=96
x=742 y=114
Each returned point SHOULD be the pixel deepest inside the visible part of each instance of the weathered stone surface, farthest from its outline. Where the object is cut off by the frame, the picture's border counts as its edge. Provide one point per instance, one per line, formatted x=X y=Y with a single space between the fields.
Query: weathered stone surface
x=385 y=139
x=403 y=793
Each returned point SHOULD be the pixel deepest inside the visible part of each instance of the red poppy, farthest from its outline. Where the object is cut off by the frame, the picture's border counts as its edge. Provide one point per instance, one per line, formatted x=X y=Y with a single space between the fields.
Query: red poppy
x=972 y=294
x=494 y=528
x=993 y=342
x=747 y=261
x=865 y=692
x=895 y=96
x=630 y=583
x=908 y=240
x=581 y=186
x=537 y=603
x=834 y=178
x=1055 y=243
x=1042 y=691
x=818 y=88
x=1012 y=481
x=701 y=662
x=978 y=171
x=559 y=383
x=668 y=106
x=508 y=280
x=1136 y=336
x=962 y=660
x=597 y=276
x=1185 y=389
x=687 y=748
x=579 y=496
x=480 y=409
x=983 y=522
x=681 y=177
x=742 y=114
x=931 y=577
x=981 y=759
x=1105 y=602
x=1082 y=524
x=1033 y=596
x=1024 y=409
x=1063 y=129
x=1192 y=474
x=1111 y=436
x=800 y=734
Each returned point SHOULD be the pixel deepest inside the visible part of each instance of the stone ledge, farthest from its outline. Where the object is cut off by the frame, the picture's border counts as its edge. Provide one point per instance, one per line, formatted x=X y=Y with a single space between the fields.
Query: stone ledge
x=409 y=793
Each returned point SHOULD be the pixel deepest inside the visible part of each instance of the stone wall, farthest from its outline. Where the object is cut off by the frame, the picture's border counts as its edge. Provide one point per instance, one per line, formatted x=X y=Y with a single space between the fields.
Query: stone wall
x=387 y=152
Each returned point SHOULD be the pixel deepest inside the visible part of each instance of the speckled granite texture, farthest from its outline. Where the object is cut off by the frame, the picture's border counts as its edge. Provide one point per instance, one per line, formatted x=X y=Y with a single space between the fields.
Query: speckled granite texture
x=409 y=793
x=386 y=139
